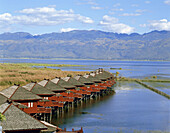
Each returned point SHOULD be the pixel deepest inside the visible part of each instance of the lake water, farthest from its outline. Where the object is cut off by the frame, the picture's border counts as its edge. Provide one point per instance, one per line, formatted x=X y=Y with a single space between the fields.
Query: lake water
x=137 y=69
x=133 y=107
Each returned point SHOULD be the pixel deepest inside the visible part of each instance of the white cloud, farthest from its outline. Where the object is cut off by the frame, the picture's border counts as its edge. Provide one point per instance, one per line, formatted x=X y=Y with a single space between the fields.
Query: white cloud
x=96 y=8
x=67 y=29
x=134 y=5
x=5 y=16
x=39 y=10
x=167 y=2
x=86 y=2
x=140 y=10
x=5 y=20
x=143 y=25
x=130 y=14
x=44 y=16
x=116 y=5
x=112 y=11
x=147 y=2
x=112 y=24
x=118 y=9
x=162 y=24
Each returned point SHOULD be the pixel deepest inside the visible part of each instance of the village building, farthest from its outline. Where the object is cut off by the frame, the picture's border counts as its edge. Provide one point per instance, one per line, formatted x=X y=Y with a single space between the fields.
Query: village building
x=43 y=92
x=78 y=84
x=62 y=83
x=77 y=97
x=52 y=86
x=3 y=99
x=83 y=80
x=57 y=89
x=19 y=103
x=17 y=121
x=21 y=95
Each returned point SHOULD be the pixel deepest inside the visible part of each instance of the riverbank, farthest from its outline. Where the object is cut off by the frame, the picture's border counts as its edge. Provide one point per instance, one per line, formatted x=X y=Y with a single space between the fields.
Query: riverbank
x=23 y=73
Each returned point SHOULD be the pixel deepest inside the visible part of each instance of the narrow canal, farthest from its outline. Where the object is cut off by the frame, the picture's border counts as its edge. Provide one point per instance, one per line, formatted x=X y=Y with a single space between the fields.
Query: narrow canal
x=133 y=107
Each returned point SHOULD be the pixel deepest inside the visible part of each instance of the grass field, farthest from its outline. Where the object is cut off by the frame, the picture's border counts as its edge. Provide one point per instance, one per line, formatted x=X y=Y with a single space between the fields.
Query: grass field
x=23 y=73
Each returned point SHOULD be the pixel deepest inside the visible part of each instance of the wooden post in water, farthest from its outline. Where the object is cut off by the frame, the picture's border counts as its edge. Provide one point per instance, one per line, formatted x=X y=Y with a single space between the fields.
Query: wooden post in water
x=153 y=89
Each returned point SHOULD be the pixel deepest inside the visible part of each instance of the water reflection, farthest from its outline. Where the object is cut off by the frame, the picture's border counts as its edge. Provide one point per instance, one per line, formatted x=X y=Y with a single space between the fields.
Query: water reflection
x=76 y=112
x=164 y=87
x=129 y=109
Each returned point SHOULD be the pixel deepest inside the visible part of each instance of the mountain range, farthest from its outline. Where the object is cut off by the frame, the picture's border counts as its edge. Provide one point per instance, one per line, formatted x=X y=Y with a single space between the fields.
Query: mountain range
x=84 y=44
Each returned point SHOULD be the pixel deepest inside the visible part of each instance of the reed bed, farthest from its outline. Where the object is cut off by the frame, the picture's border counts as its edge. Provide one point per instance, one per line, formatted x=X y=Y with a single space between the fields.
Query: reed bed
x=23 y=73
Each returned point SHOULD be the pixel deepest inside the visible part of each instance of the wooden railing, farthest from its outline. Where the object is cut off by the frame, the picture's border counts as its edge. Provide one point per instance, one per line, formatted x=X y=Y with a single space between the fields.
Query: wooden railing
x=37 y=110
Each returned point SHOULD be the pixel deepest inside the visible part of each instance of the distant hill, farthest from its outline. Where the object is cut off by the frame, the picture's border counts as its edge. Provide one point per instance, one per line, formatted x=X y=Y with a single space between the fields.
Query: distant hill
x=82 y=44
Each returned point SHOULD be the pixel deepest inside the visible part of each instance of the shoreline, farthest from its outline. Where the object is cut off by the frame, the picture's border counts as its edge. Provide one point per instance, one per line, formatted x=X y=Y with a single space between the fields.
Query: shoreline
x=90 y=59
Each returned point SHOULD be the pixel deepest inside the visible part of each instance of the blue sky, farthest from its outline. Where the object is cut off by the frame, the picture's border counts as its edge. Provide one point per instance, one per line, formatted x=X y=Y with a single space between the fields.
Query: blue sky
x=120 y=16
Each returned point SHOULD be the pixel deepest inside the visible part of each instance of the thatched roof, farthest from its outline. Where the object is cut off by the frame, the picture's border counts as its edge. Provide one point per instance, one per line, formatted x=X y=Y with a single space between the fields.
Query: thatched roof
x=51 y=128
x=52 y=86
x=73 y=81
x=102 y=74
x=3 y=99
x=83 y=80
x=92 y=78
x=43 y=82
x=8 y=92
x=63 y=83
x=3 y=107
x=38 y=89
x=19 y=93
x=19 y=120
x=55 y=80
x=108 y=74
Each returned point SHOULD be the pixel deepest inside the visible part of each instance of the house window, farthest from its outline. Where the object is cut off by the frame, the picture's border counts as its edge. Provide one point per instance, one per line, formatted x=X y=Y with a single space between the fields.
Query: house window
x=30 y=104
x=46 y=98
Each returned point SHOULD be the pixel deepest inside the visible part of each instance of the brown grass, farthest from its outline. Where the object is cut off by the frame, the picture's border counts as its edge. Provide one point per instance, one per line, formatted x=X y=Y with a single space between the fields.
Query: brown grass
x=18 y=74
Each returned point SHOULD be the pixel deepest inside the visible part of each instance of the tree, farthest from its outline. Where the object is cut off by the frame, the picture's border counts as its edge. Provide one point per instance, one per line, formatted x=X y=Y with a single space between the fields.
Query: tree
x=2 y=117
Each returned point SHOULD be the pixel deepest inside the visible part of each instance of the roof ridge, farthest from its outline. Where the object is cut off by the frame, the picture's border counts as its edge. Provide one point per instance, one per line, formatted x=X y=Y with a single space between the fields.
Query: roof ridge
x=3 y=94
x=46 y=83
x=6 y=108
x=33 y=86
x=14 y=91
x=29 y=115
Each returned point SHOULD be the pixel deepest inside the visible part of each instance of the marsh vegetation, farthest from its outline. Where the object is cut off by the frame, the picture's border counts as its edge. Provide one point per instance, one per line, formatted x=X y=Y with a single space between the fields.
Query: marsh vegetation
x=23 y=73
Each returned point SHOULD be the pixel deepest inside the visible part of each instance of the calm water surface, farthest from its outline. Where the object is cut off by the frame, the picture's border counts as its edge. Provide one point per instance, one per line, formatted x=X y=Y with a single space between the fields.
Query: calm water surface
x=137 y=69
x=132 y=107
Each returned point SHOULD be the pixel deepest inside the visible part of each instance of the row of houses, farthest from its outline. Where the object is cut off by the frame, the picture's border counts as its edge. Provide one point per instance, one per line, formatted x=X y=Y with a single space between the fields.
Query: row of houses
x=26 y=108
